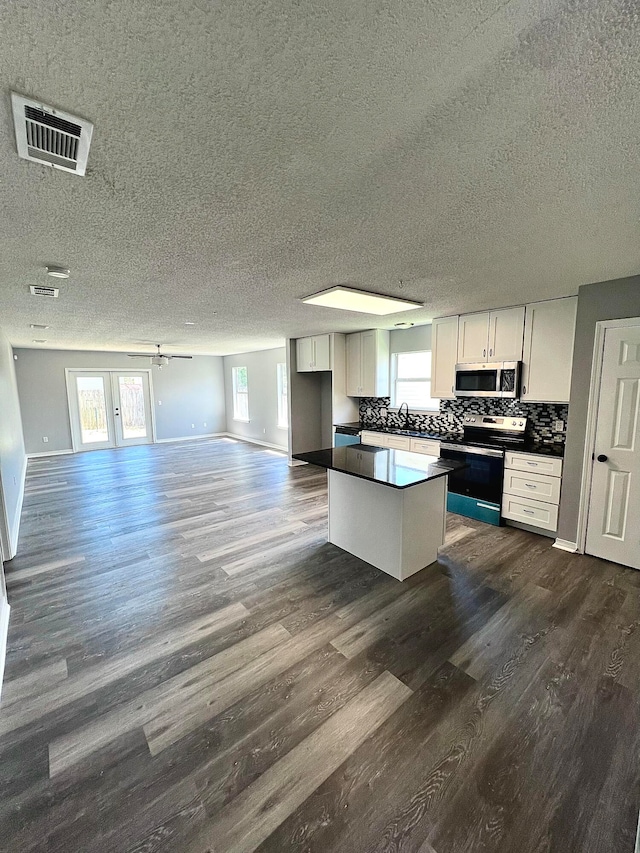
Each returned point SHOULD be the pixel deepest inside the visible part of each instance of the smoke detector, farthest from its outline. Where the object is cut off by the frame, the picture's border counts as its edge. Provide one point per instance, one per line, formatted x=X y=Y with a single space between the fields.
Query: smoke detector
x=42 y=290
x=50 y=136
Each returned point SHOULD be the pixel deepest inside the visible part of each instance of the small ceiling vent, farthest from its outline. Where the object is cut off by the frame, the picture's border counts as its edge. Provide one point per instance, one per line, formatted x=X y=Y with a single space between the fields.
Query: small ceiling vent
x=50 y=136
x=39 y=290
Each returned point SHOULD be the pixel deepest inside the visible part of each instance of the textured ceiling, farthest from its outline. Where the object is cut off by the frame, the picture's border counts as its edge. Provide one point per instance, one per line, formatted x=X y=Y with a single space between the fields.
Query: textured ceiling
x=248 y=153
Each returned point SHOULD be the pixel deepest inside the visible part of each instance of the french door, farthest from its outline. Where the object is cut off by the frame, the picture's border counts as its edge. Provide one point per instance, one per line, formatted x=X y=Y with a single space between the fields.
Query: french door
x=613 y=531
x=110 y=408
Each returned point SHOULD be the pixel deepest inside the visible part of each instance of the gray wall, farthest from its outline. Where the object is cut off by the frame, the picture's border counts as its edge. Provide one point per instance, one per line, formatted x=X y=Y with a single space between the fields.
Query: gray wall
x=607 y=300
x=416 y=339
x=263 y=396
x=12 y=452
x=186 y=391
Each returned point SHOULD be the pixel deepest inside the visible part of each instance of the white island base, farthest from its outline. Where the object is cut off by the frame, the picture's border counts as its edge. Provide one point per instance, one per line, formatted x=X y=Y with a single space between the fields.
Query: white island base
x=396 y=530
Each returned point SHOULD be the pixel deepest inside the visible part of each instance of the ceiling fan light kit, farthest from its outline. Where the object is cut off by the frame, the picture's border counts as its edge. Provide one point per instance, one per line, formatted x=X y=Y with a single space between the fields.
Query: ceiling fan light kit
x=159 y=359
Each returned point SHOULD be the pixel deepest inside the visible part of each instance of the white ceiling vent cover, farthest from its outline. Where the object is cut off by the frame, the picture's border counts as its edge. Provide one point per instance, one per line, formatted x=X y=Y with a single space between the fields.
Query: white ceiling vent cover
x=50 y=136
x=41 y=290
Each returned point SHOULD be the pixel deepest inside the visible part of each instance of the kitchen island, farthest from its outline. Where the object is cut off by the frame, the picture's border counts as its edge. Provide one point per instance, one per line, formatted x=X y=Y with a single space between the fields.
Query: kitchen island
x=387 y=507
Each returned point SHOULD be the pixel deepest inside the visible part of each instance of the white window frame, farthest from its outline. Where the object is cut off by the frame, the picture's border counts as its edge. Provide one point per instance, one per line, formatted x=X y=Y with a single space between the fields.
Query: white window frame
x=395 y=403
x=282 y=398
x=237 y=414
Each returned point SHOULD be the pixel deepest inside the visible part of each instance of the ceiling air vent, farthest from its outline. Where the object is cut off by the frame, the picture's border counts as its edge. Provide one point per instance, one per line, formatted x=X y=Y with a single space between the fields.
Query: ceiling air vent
x=39 y=290
x=50 y=136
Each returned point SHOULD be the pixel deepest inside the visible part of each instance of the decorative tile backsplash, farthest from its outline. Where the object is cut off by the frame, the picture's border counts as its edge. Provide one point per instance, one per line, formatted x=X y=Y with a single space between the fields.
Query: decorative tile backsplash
x=374 y=412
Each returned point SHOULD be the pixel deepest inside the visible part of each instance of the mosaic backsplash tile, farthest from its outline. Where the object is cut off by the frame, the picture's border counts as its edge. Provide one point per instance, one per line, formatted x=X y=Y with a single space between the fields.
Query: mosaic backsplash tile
x=374 y=411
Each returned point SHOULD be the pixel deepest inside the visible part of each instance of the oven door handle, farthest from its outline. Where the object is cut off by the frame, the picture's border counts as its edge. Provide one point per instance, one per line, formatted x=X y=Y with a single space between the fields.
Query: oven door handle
x=479 y=451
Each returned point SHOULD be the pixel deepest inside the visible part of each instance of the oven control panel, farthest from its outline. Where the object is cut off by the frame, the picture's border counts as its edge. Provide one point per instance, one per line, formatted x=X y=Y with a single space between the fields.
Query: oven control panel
x=493 y=422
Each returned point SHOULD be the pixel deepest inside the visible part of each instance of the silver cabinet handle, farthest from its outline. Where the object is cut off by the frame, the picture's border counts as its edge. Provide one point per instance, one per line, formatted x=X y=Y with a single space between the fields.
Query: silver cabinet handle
x=528 y=511
x=490 y=352
x=524 y=390
x=484 y=353
x=531 y=486
x=535 y=464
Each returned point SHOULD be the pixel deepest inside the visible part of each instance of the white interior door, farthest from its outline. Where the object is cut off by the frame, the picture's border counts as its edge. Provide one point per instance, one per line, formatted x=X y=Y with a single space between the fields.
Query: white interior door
x=613 y=531
x=109 y=408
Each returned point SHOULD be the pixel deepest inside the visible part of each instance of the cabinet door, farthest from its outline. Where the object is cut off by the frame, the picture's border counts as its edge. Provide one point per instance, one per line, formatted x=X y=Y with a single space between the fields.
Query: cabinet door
x=473 y=338
x=322 y=352
x=548 y=350
x=353 y=365
x=368 y=363
x=506 y=331
x=304 y=355
x=444 y=355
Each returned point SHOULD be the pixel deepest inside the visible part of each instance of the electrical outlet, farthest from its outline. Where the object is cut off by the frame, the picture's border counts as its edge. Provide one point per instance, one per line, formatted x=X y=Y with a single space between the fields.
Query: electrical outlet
x=558 y=426
x=204 y=424
x=45 y=438
x=159 y=402
x=193 y=426
x=264 y=432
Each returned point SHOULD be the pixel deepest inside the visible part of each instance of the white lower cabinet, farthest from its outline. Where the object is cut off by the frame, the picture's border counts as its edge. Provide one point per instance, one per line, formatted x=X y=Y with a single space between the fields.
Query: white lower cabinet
x=531 y=489
x=536 y=513
x=427 y=446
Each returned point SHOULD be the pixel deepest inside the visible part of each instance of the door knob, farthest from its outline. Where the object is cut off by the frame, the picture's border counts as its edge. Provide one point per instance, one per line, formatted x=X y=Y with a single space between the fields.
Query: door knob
x=602 y=458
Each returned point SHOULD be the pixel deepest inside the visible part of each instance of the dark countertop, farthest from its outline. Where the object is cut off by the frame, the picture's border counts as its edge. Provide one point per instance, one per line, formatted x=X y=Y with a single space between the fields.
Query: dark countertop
x=396 y=468
x=544 y=448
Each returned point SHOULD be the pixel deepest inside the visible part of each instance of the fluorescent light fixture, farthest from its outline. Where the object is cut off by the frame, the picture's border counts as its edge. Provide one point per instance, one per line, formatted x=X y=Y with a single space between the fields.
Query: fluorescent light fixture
x=349 y=299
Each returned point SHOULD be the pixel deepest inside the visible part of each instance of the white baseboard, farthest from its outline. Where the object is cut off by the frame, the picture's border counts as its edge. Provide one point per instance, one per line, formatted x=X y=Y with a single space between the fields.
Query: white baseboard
x=4 y=631
x=566 y=545
x=257 y=441
x=48 y=453
x=190 y=437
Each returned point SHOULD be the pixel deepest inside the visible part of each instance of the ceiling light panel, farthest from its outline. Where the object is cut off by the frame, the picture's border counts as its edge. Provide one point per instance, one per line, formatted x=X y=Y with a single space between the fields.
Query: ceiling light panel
x=348 y=299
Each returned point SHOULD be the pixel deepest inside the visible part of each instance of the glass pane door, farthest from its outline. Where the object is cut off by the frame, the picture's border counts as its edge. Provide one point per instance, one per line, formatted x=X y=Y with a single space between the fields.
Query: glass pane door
x=90 y=408
x=109 y=408
x=132 y=411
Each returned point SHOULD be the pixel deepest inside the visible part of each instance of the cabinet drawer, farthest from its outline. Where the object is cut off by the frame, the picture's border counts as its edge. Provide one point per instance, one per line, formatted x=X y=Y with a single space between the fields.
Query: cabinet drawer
x=377 y=439
x=552 y=466
x=425 y=445
x=527 y=484
x=532 y=512
x=398 y=442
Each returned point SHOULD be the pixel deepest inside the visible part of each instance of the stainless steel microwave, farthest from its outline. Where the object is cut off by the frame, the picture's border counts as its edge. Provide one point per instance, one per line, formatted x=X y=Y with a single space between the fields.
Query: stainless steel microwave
x=493 y=379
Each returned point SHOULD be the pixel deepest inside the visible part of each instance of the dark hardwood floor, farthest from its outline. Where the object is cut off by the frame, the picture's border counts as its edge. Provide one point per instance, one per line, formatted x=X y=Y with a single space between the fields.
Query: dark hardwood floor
x=191 y=667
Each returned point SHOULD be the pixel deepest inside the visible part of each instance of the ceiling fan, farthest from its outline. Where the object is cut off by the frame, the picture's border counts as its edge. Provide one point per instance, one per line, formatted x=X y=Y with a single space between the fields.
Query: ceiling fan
x=157 y=358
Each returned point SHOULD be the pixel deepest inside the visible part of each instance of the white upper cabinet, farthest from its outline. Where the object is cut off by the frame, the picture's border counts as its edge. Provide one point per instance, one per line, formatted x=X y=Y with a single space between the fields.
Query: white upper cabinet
x=506 y=332
x=368 y=364
x=473 y=337
x=548 y=350
x=313 y=353
x=444 y=356
x=491 y=336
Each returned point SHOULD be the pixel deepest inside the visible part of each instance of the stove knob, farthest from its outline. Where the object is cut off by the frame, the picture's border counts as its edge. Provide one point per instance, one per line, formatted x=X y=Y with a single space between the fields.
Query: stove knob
x=513 y=423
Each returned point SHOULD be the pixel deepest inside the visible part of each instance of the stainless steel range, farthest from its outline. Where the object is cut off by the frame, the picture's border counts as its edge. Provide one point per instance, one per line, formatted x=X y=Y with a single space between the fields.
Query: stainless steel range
x=476 y=491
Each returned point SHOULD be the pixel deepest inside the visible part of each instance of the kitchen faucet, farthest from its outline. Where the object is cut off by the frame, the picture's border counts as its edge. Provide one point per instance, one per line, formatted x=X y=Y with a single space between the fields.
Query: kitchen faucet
x=406 y=414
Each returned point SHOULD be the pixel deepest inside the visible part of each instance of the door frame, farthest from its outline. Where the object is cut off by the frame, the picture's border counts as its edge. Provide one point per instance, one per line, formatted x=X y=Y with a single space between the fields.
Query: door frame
x=592 y=417
x=67 y=376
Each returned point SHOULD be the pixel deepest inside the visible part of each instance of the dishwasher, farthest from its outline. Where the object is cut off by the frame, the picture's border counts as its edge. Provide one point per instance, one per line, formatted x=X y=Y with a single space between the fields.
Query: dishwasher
x=346 y=434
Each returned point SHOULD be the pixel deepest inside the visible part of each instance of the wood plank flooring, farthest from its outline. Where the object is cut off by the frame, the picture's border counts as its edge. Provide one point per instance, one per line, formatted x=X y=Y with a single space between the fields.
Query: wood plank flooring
x=192 y=667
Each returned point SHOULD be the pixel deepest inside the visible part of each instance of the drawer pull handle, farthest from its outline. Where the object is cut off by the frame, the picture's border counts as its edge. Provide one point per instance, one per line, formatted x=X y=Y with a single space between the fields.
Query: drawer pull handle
x=532 y=463
x=531 y=485
x=529 y=511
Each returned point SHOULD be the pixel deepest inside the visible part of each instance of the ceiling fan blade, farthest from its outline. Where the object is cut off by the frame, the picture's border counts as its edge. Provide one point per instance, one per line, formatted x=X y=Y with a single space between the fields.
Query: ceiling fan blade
x=179 y=356
x=140 y=355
